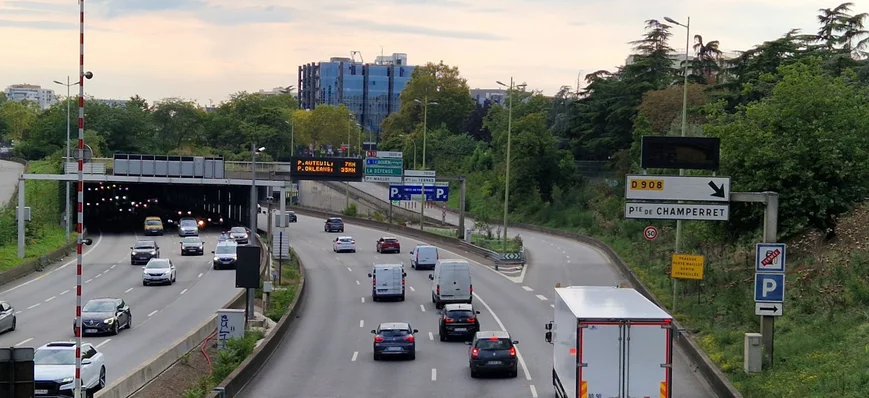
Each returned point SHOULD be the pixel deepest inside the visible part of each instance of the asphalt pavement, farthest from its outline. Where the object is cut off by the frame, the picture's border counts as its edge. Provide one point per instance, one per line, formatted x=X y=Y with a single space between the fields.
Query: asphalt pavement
x=9 y=173
x=329 y=353
x=45 y=301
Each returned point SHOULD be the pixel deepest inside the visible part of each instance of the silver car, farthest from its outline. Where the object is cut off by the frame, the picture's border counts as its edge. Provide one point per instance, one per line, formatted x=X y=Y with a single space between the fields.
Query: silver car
x=7 y=317
x=188 y=226
x=158 y=271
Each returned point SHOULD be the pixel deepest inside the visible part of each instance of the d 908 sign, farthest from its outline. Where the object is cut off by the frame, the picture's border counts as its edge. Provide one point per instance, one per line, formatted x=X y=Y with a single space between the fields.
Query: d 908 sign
x=327 y=169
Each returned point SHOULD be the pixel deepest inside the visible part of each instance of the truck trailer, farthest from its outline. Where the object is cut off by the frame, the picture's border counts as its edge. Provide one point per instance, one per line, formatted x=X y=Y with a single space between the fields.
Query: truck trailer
x=610 y=342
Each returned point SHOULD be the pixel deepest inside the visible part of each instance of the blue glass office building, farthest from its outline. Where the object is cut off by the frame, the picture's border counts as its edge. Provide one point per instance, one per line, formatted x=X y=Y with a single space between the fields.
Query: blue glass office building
x=370 y=91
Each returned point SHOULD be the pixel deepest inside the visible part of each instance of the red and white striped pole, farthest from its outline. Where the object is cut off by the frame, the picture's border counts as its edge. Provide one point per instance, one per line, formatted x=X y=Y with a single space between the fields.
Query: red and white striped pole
x=80 y=208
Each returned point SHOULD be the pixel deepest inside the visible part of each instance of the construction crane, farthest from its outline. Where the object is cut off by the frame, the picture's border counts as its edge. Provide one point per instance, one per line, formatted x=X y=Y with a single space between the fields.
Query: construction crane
x=353 y=55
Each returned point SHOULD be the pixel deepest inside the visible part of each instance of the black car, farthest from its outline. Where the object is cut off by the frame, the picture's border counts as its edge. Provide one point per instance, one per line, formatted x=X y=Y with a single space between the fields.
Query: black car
x=192 y=245
x=239 y=235
x=493 y=352
x=291 y=215
x=458 y=320
x=143 y=251
x=334 y=224
x=104 y=315
x=394 y=339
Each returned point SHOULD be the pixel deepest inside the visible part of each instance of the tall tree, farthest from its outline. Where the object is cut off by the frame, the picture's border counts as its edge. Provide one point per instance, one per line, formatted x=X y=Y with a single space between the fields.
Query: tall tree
x=707 y=62
x=18 y=116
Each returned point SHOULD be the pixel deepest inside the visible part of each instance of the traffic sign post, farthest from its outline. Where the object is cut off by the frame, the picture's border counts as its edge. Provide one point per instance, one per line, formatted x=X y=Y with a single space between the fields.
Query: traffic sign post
x=769 y=288
x=384 y=166
x=770 y=257
x=703 y=189
x=650 y=233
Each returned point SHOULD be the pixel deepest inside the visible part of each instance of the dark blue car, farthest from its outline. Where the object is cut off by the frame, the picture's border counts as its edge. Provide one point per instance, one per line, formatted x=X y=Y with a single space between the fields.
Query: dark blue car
x=394 y=339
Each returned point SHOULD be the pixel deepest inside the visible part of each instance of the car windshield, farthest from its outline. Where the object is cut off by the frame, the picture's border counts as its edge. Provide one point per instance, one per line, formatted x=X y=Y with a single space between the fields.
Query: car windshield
x=394 y=332
x=99 y=306
x=157 y=264
x=499 y=344
x=460 y=314
x=334 y=220
x=237 y=230
x=54 y=357
x=153 y=222
x=345 y=239
x=225 y=250
x=145 y=245
x=192 y=240
x=188 y=222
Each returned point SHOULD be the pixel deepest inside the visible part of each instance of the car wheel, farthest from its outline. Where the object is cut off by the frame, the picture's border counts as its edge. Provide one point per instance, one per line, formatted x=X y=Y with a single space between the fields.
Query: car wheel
x=102 y=383
x=354 y=250
x=412 y=356
x=374 y=298
x=116 y=329
x=402 y=297
x=129 y=321
x=439 y=305
x=514 y=373
x=14 y=322
x=443 y=335
x=398 y=251
x=376 y=357
x=144 y=283
x=473 y=374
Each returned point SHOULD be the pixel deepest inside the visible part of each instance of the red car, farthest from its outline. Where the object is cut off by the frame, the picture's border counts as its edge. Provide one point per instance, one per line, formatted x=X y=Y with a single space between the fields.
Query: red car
x=388 y=244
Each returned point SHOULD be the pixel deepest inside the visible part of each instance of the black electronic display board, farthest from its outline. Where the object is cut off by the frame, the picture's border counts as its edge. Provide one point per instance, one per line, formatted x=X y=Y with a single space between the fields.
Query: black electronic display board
x=691 y=153
x=327 y=169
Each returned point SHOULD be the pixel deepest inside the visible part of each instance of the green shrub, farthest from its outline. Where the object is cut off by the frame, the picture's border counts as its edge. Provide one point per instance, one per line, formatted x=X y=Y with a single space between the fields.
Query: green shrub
x=351 y=211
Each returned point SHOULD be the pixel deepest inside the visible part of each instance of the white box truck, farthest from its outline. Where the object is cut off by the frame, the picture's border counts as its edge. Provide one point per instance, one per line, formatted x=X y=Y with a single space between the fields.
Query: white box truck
x=610 y=342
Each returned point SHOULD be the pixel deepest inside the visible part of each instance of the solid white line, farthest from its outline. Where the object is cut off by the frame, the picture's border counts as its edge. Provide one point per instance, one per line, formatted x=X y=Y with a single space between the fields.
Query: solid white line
x=363 y=299
x=501 y=325
x=34 y=306
x=23 y=342
x=412 y=289
x=361 y=323
x=533 y=391
x=348 y=269
x=357 y=282
x=422 y=307
x=153 y=312
x=542 y=297
x=128 y=290
x=97 y=243
x=355 y=354
x=89 y=280
x=527 y=289
x=434 y=374
x=64 y=292
x=112 y=267
x=103 y=343
x=50 y=298
x=200 y=275
x=184 y=291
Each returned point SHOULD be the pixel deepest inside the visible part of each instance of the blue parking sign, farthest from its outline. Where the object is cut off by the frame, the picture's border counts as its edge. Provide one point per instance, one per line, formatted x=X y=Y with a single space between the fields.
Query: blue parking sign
x=769 y=288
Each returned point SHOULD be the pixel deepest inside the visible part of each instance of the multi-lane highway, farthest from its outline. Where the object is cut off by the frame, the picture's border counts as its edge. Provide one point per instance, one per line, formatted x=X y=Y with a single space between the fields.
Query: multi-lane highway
x=45 y=301
x=9 y=173
x=329 y=352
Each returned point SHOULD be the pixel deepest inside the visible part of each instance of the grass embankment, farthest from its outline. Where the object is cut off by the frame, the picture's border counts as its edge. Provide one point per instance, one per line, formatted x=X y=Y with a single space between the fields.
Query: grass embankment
x=497 y=245
x=44 y=233
x=821 y=341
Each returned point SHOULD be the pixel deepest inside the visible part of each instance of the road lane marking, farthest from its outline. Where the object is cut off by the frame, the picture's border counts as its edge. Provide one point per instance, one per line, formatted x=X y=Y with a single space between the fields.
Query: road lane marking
x=363 y=299
x=361 y=323
x=91 y=248
x=430 y=336
x=152 y=313
x=434 y=374
x=552 y=305
x=89 y=280
x=98 y=275
x=355 y=354
x=103 y=343
x=34 y=306
x=422 y=307
x=17 y=312
x=184 y=291
x=501 y=325
x=200 y=275
x=50 y=298
x=348 y=269
x=527 y=289
x=542 y=297
x=357 y=282
x=412 y=289
x=533 y=391
x=64 y=292
x=112 y=267
x=23 y=342
x=128 y=290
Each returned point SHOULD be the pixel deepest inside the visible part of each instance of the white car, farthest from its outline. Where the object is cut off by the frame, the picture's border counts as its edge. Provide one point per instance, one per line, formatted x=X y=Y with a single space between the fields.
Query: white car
x=54 y=369
x=344 y=244
x=158 y=271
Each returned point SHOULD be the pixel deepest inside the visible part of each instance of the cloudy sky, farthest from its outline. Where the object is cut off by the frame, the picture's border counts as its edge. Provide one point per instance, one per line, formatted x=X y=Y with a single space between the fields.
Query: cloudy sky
x=205 y=50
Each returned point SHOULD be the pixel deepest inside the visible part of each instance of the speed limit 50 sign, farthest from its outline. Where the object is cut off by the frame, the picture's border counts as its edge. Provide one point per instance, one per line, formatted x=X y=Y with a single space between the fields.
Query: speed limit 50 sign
x=650 y=233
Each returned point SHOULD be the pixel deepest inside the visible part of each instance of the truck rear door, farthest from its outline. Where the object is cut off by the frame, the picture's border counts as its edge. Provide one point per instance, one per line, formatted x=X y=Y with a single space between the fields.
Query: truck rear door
x=599 y=359
x=649 y=357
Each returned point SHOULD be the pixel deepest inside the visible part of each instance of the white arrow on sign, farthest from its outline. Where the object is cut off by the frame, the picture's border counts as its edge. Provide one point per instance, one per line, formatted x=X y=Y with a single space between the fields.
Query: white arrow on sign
x=768 y=309
x=703 y=189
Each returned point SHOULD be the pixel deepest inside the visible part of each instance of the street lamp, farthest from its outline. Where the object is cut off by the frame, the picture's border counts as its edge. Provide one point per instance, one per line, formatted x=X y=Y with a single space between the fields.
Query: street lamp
x=425 y=105
x=253 y=196
x=414 y=148
x=509 y=139
x=67 y=217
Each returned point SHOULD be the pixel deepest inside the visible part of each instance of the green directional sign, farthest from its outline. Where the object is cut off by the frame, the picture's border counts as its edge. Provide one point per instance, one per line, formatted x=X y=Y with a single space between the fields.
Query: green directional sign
x=383 y=169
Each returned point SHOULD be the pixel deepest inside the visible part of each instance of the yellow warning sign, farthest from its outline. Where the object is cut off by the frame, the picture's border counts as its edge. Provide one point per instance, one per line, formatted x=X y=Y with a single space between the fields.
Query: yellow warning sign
x=687 y=266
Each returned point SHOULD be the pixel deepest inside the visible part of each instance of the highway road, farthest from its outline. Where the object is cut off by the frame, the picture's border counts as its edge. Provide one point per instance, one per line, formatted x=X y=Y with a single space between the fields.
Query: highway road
x=9 y=173
x=328 y=354
x=45 y=301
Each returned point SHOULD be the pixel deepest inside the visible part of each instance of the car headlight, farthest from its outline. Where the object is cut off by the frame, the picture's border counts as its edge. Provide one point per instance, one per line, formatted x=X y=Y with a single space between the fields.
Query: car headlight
x=65 y=380
x=153 y=252
x=132 y=253
x=216 y=258
x=167 y=272
x=109 y=320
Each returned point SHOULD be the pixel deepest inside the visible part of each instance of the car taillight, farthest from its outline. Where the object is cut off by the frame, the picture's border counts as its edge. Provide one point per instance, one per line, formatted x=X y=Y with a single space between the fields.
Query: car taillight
x=472 y=289
x=512 y=351
x=352 y=242
x=475 y=353
x=403 y=281
x=448 y=320
x=472 y=319
x=438 y=290
x=373 y=281
x=409 y=338
x=378 y=339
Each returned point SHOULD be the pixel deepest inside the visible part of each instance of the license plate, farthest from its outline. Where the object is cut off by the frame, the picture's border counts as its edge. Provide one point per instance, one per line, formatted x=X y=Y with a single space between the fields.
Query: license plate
x=393 y=349
x=90 y=330
x=494 y=362
x=381 y=290
x=461 y=329
x=40 y=392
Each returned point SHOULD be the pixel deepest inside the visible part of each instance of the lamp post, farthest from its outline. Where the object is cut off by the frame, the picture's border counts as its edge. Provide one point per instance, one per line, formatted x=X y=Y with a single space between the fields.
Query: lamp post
x=425 y=105
x=414 y=148
x=67 y=218
x=687 y=27
x=509 y=139
x=248 y=309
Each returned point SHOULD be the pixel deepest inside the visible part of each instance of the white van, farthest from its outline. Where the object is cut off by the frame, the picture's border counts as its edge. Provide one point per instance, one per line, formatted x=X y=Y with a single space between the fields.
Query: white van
x=424 y=257
x=451 y=283
x=387 y=280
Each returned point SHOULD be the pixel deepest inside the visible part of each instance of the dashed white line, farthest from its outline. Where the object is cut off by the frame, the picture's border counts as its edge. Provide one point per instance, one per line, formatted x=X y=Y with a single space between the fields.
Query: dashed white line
x=501 y=325
x=50 y=298
x=152 y=313
x=355 y=354
x=422 y=307
x=348 y=269
x=361 y=323
x=128 y=290
x=412 y=289
x=542 y=297
x=552 y=305
x=113 y=266
x=64 y=292
x=17 y=312
x=23 y=342
x=533 y=391
x=357 y=282
x=98 y=275
x=434 y=374
x=103 y=343
x=88 y=281
x=430 y=336
x=363 y=299
x=527 y=289
x=34 y=306
x=107 y=271
x=184 y=291
x=199 y=276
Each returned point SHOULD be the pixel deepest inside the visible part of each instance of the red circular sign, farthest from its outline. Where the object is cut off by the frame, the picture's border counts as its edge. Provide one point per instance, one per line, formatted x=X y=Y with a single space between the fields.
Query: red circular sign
x=651 y=233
